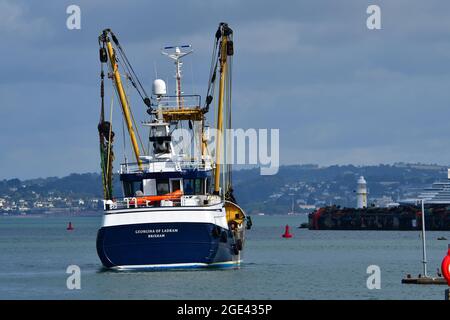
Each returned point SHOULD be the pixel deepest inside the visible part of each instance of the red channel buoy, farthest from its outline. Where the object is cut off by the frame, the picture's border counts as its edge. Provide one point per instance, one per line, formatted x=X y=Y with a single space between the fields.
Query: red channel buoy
x=446 y=266
x=70 y=227
x=286 y=233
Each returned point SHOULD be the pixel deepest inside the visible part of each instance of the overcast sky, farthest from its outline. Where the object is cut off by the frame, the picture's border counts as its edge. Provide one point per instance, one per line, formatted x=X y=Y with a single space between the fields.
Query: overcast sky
x=338 y=92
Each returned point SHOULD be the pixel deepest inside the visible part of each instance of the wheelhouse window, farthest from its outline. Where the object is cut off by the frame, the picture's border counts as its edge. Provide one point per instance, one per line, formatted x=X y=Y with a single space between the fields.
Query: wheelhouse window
x=199 y=186
x=194 y=186
x=162 y=186
x=131 y=188
x=188 y=186
x=208 y=184
x=176 y=185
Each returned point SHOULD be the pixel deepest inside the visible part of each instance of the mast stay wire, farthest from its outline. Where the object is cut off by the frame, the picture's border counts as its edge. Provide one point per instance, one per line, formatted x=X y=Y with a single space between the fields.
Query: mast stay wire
x=110 y=136
x=229 y=117
x=128 y=80
x=124 y=141
x=132 y=115
x=212 y=74
x=129 y=68
x=116 y=91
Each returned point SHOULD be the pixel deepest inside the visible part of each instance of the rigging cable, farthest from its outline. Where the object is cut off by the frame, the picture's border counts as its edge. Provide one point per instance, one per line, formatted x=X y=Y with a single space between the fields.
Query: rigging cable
x=126 y=76
x=124 y=140
x=229 y=119
x=110 y=157
x=212 y=73
x=131 y=71
x=105 y=130
x=132 y=116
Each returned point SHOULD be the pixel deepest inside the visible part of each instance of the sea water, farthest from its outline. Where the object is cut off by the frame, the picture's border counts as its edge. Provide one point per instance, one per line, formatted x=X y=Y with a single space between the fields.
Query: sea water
x=35 y=254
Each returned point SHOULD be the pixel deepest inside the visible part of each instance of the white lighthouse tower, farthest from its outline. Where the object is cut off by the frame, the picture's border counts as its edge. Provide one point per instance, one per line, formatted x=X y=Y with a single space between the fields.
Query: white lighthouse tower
x=361 y=193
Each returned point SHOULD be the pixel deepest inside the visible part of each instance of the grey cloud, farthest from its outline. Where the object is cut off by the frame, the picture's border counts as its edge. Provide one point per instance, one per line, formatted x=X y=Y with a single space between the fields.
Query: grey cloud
x=338 y=92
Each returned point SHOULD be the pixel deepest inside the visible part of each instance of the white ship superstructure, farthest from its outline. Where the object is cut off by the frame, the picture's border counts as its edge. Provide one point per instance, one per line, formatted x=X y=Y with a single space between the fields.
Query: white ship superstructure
x=437 y=193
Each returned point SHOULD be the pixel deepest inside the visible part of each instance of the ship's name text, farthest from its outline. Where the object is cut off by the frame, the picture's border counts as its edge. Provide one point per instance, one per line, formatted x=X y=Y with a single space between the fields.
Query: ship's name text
x=155 y=233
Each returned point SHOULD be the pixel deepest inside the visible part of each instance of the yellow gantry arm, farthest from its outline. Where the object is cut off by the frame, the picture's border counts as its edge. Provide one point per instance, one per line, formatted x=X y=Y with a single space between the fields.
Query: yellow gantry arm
x=123 y=102
x=223 y=67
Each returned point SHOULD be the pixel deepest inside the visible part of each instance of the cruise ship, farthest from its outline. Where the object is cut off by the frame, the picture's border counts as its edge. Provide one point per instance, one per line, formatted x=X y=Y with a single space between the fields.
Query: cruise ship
x=437 y=194
x=177 y=209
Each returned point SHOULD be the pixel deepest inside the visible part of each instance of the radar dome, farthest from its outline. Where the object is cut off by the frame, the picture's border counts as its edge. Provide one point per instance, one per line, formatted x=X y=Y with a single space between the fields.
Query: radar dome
x=159 y=87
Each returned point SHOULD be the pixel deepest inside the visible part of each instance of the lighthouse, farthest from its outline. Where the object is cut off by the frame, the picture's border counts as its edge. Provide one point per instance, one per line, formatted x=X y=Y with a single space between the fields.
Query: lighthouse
x=361 y=193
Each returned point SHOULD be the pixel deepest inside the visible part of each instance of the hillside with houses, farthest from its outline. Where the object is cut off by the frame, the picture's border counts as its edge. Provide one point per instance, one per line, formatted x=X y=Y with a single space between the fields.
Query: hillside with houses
x=303 y=187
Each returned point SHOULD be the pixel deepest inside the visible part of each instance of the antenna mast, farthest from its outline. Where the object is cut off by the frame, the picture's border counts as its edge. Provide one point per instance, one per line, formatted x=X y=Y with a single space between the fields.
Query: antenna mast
x=177 y=55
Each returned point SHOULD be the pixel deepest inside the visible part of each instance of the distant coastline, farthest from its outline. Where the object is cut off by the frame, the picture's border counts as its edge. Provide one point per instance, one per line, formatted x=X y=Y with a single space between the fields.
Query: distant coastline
x=308 y=186
x=52 y=215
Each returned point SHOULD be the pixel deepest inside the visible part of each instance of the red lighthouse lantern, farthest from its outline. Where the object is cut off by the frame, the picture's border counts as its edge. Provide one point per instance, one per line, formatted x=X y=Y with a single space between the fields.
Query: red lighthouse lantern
x=446 y=266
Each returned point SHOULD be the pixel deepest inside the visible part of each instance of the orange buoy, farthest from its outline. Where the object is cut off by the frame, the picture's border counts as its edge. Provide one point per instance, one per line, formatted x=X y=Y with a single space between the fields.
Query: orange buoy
x=446 y=266
x=286 y=233
x=70 y=227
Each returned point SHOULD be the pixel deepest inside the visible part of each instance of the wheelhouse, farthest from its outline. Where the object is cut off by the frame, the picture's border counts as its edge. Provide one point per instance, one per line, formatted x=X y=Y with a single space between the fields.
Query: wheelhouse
x=188 y=183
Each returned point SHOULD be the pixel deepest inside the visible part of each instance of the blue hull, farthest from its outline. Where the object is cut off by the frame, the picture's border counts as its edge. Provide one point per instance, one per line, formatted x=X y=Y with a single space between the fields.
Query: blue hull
x=166 y=245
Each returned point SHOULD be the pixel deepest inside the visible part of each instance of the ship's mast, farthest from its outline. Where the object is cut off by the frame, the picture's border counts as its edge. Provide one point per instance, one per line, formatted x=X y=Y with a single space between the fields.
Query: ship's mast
x=123 y=102
x=177 y=55
x=223 y=35
x=115 y=74
x=223 y=68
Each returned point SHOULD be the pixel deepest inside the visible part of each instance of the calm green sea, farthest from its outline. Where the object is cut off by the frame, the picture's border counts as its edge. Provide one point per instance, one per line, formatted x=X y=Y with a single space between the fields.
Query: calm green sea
x=35 y=252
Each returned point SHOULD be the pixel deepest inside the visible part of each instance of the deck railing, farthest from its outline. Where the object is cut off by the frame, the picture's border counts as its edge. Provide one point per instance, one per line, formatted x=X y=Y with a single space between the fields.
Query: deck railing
x=183 y=101
x=146 y=202
x=155 y=165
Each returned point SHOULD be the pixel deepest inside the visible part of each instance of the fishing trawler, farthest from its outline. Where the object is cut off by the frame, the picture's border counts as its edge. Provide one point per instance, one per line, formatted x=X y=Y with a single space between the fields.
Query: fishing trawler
x=177 y=208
